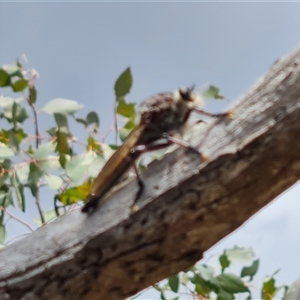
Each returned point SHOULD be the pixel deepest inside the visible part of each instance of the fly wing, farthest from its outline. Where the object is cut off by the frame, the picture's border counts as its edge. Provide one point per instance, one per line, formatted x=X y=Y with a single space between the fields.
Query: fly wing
x=114 y=168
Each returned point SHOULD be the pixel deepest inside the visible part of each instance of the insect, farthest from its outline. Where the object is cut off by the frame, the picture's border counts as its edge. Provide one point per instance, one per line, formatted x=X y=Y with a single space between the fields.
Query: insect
x=161 y=118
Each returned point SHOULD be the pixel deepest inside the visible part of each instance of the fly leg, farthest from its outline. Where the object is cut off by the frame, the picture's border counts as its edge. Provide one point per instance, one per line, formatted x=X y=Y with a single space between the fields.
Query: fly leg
x=153 y=147
x=184 y=144
x=228 y=114
x=136 y=151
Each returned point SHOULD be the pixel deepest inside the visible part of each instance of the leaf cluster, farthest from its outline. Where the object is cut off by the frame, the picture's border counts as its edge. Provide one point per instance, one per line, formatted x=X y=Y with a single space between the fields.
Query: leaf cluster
x=50 y=159
x=203 y=282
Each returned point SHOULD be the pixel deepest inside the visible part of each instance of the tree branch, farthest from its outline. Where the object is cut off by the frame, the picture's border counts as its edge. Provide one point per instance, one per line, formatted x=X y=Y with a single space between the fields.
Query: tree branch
x=187 y=207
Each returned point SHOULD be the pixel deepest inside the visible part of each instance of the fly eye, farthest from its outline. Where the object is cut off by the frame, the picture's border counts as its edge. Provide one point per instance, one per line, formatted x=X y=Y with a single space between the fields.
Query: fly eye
x=185 y=94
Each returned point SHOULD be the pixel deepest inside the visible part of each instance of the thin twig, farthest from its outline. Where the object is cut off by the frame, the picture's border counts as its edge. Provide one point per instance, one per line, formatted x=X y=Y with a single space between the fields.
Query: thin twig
x=38 y=141
x=116 y=123
x=111 y=127
x=39 y=206
x=16 y=218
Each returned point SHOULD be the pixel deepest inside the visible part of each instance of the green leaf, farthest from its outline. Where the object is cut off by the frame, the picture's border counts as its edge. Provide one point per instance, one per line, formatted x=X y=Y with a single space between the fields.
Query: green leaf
x=162 y=296
x=4 y=136
x=13 y=70
x=224 y=261
x=130 y=124
x=269 y=289
x=62 y=106
x=93 y=118
x=7 y=102
x=206 y=272
x=240 y=254
x=250 y=271
x=15 y=113
x=4 y=175
x=62 y=122
x=44 y=150
x=63 y=160
x=223 y=295
x=4 y=78
x=19 y=190
x=22 y=171
x=5 y=151
x=93 y=144
x=75 y=194
x=33 y=188
x=53 y=181
x=32 y=94
x=95 y=166
x=19 y=85
x=123 y=133
x=49 y=215
x=202 y=288
x=232 y=283
x=76 y=168
x=113 y=147
x=212 y=92
x=52 y=131
x=123 y=84
x=5 y=196
x=174 y=283
x=2 y=234
x=18 y=136
x=205 y=278
x=82 y=121
x=126 y=109
x=13 y=142
x=35 y=174
x=62 y=143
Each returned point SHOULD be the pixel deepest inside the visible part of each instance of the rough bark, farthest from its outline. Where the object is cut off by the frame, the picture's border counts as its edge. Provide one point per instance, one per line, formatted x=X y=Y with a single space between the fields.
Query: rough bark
x=187 y=207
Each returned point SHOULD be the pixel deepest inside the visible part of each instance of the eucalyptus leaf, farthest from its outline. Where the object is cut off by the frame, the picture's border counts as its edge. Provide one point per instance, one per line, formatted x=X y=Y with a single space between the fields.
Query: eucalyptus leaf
x=62 y=106
x=123 y=84
x=44 y=150
x=240 y=254
x=19 y=191
x=232 y=283
x=53 y=181
x=93 y=118
x=19 y=85
x=4 y=78
x=174 y=283
x=2 y=234
x=32 y=94
x=250 y=271
x=213 y=92
x=5 y=151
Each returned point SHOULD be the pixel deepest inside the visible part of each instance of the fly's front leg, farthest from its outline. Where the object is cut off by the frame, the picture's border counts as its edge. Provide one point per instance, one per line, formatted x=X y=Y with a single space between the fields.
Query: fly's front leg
x=184 y=144
x=170 y=139
x=228 y=114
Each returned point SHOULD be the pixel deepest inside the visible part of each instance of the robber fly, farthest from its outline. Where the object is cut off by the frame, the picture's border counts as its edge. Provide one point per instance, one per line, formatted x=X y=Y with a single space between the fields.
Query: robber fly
x=161 y=118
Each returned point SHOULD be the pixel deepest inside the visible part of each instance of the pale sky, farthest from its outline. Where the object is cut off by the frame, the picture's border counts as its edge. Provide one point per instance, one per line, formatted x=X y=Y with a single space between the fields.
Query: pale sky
x=79 y=49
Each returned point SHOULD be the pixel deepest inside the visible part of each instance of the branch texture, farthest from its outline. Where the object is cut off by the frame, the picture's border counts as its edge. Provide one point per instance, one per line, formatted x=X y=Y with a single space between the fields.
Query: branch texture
x=187 y=206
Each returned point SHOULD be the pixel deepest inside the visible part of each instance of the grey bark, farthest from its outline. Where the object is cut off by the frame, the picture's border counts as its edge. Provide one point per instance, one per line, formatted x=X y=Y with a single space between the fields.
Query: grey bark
x=187 y=207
